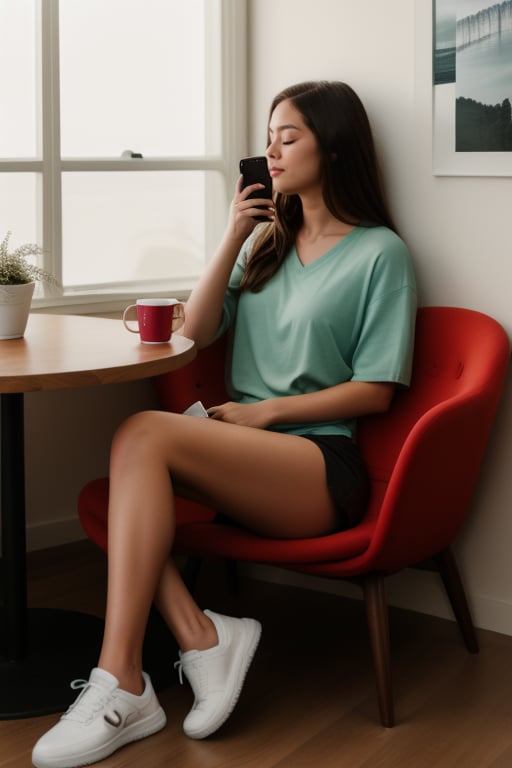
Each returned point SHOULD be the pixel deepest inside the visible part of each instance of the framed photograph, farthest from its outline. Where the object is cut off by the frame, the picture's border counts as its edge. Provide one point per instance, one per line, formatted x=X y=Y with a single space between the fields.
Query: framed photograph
x=472 y=88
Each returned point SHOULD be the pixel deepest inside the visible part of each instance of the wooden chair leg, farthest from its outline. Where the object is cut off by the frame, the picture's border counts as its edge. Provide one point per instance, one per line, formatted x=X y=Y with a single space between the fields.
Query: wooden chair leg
x=378 y=626
x=450 y=575
x=232 y=577
x=191 y=572
x=193 y=567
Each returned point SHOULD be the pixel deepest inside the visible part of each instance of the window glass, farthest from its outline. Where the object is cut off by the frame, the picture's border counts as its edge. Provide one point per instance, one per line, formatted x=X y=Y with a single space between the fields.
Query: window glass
x=134 y=226
x=85 y=81
x=132 y=77
x=20 y=207
x=19 y=94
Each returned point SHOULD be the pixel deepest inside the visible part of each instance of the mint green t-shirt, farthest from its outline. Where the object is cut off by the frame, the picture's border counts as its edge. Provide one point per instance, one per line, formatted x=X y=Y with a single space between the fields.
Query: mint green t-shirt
x=348 y=316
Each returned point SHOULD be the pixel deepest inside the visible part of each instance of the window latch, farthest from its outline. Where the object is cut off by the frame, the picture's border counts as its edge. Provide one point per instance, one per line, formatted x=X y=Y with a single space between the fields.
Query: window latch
x=130 y=153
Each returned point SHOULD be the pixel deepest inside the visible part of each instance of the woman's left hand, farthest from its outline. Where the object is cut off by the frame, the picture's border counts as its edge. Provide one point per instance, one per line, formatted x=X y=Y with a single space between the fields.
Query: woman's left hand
x=247 y=415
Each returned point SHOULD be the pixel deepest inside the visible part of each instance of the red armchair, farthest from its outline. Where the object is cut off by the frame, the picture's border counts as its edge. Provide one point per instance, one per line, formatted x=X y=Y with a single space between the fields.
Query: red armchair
x=423 y=456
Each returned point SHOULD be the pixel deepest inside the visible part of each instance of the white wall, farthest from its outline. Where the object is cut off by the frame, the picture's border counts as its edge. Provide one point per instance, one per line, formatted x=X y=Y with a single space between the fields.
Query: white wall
x=458 y=229
x=67 y=443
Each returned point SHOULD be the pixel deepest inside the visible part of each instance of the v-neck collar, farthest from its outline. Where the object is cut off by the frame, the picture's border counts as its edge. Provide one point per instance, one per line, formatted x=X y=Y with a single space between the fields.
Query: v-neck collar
x=335 y=249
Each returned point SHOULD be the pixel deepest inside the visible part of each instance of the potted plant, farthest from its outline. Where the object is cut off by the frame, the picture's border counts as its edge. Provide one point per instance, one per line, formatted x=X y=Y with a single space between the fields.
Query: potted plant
x=17 y=281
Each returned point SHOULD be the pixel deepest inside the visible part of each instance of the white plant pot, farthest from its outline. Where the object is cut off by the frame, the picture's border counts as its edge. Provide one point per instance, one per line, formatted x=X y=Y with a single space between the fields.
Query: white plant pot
x=15 y=302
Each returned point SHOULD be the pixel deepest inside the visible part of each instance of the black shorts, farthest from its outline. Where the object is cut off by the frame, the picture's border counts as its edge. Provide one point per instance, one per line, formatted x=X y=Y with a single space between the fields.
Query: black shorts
x=347 y=478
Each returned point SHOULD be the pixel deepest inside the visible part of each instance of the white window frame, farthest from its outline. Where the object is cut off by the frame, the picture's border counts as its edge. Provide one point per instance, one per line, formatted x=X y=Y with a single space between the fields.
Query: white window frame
x=234 y=142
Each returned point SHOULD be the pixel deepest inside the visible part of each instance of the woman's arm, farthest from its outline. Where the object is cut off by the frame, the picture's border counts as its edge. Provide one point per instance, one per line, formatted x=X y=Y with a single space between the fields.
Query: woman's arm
x=203 y=310
x=343 y=401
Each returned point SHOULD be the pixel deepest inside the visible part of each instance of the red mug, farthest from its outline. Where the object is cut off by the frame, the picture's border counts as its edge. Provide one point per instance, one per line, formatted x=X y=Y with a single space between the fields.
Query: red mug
x=154 y=319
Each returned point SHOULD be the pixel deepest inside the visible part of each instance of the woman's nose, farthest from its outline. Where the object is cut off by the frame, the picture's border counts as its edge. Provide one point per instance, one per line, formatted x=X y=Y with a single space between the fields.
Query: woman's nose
x=271 y=150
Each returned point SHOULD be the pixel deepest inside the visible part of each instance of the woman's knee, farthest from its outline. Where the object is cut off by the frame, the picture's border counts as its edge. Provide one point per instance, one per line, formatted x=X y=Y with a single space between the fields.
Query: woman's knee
x=138 y=434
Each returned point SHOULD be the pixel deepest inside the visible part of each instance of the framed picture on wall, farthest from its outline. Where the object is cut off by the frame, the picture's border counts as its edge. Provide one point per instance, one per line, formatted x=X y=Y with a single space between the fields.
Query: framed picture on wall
x=472 y=87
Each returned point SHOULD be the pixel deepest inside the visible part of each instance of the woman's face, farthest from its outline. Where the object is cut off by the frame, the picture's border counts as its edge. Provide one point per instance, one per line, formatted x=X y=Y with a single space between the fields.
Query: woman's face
x=293 y=156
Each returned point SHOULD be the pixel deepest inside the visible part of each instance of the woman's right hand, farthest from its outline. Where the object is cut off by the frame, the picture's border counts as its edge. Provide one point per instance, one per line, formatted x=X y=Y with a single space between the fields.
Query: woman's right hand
x=203 y=310
x=243 y=210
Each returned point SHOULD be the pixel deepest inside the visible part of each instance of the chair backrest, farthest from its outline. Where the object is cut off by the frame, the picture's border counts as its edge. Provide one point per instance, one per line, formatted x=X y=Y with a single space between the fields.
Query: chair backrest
x=424 y=455
x=202 y=379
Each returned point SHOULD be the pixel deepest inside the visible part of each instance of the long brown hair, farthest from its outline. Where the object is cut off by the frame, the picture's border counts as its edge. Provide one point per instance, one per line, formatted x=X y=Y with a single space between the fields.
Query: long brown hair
x=352 y=185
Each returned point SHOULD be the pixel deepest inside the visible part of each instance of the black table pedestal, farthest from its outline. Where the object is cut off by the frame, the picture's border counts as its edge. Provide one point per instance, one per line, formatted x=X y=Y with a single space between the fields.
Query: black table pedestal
x=62 y=646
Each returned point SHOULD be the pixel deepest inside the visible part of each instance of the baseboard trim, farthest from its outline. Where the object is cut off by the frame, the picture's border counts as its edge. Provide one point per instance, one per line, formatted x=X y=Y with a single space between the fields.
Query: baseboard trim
x=414 y=590
x=53 y=534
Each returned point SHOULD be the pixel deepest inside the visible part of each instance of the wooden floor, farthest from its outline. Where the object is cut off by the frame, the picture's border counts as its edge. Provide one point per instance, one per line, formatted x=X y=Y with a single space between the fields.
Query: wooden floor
x=309 y=699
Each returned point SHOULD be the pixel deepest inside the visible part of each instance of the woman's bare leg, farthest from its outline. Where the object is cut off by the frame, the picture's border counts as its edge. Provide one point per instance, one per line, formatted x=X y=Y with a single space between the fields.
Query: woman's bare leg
x=273 y=483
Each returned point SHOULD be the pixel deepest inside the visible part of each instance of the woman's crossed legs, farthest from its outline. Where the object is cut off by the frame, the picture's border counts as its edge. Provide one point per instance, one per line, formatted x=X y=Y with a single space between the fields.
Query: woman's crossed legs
x=274 y=484
x=270 y=482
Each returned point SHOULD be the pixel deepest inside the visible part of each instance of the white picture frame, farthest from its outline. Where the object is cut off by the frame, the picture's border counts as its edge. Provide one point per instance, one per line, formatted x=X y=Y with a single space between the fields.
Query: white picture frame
x=447 y=159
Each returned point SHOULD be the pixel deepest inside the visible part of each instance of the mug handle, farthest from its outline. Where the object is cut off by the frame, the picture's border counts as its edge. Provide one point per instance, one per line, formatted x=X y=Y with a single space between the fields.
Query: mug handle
x=133 y=320
x=178 y=317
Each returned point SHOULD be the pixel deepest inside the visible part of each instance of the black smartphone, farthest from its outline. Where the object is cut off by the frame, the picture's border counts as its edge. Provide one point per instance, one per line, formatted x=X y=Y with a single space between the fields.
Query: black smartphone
x=254 y=170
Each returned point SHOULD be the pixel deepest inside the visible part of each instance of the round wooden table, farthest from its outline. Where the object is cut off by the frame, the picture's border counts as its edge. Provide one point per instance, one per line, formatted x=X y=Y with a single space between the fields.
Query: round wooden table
x=57 y=352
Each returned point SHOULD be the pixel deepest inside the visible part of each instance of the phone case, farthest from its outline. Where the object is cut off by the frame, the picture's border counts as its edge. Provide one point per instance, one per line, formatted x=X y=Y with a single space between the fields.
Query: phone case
x=255 y=171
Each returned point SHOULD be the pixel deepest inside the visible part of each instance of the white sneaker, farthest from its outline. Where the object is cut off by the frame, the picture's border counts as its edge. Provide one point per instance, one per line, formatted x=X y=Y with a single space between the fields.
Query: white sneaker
x=101 y=720
x=217 y=674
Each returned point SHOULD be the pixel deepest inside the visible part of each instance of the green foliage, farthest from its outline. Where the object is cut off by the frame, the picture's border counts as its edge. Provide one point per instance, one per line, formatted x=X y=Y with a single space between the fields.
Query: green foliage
x=16 y=270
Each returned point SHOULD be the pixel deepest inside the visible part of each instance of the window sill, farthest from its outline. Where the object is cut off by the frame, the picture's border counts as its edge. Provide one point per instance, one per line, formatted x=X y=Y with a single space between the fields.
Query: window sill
x=104 y=301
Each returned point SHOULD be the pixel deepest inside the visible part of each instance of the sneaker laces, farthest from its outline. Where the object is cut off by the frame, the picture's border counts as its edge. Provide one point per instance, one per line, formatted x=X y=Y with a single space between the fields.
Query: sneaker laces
x=194 y=670
x=91 y=700
x=179 y=666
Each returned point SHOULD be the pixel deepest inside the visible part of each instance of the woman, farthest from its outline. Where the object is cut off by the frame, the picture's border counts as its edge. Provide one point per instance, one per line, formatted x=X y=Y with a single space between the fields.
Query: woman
x=320 y=299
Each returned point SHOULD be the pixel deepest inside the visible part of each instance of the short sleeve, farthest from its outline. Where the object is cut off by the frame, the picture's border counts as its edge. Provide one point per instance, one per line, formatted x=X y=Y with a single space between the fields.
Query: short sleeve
x=233 y=290
x=385 y=343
